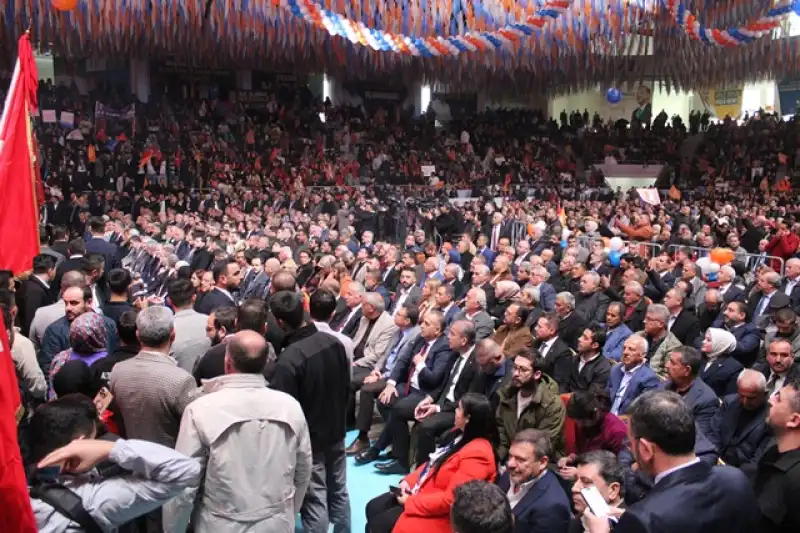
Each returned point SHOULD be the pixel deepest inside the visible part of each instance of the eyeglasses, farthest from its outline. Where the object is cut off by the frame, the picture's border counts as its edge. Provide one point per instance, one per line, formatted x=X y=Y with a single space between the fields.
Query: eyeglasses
x=521 y=369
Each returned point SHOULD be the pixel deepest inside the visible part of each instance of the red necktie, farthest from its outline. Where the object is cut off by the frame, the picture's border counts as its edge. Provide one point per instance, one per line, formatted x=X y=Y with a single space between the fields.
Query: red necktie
x=413 y=369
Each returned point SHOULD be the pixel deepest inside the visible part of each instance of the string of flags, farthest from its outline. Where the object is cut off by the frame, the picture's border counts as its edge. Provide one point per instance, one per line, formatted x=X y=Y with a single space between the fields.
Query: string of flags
x=507 y=45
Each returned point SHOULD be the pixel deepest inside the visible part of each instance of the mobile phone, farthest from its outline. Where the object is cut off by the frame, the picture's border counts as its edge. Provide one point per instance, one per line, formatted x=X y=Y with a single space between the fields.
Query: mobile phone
x=394 y=489
x=48 y=474
x=595 y=501
x=102 y=400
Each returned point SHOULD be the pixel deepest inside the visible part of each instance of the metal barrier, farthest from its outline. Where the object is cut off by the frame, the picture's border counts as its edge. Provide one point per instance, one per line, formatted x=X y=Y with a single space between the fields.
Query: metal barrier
x=519 y=230
x=751 y=261
x=644 y=249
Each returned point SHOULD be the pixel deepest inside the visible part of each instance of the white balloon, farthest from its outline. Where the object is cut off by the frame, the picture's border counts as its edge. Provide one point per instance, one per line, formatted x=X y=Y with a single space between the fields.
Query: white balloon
x=541 y=224
x=704 y=263
x=606 y=251
x=565 y=233
x=713 y=268
x=615 y=244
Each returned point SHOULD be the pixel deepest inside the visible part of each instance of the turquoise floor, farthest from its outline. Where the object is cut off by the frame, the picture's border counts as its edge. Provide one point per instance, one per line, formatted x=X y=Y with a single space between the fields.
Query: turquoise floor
x=363 y=484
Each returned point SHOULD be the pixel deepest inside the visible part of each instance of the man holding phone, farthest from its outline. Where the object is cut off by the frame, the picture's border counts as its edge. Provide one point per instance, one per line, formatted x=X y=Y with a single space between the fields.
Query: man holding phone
x=598 y=475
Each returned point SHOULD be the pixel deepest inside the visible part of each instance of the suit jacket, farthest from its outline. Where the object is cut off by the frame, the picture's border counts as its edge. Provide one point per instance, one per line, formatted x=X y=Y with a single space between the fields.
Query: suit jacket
x=429 y=509
x=570 y=328
x=34 y=295
x=748 y=342
x=412 y=300
x=643 y=380
x=711 y=500
x=484 y=325
x=438 y=362
x=547 y=297
x=458 y=288
x=151 y=392
x=349 y=327
x=463 y=384
x=593 y=376
x=721 y=375
x=451 y=314
x=635 y=321
x=340 y=313
x=739 y=446
x=558 y=363
x=257 y=287
x=514 y=341
x=734 y=294
x=201 y=259
x=686 y=328
x=213 y=300
x=794 y=296
x=379 y=341
x=545 y=508
x=110 y=251
x=592 y=308
x=702 y=401
x=68 y=265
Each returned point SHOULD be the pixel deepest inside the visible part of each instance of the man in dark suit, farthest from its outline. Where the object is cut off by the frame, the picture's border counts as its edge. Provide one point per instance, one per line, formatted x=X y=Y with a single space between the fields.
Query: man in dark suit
x=711 y=500
x=35 y=292
x=570 y=323
x=201 y=256
x=635 y=305
x=682 y=322
x=408 y=292
x=790 y=285
x=227 y=277
x=739 y=430
x=761 y=301
x=346 y=321
x=748 y=339
x=601 y=470
x=727 y=288
x=590 y=370
x=537 y=499
x=683 y=366
x=75 y=252
x=556 y=356
x=99 y=245
x=451 y=279
x=632 y=378
x=435 y=416
x=422 y=373
x=497 y=230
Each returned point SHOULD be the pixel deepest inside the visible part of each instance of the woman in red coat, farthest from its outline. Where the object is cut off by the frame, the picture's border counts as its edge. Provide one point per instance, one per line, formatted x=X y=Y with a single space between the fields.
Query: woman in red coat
x=423 y=499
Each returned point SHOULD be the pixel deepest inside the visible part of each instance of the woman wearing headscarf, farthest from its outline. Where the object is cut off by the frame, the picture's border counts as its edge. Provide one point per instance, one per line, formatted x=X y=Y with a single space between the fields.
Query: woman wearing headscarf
x=87 y=341
x=720 y=370
x=506 y=292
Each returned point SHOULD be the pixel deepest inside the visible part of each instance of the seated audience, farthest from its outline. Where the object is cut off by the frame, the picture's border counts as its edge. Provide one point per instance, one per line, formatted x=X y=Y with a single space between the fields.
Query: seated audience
x=720 y=369
x=600 y=470
x=530 y=401
x=590 y=369
x=616 y=333
x=632 y=378
x=480 y=507
x=425 y=496
x=683 y=368
x=537 y=499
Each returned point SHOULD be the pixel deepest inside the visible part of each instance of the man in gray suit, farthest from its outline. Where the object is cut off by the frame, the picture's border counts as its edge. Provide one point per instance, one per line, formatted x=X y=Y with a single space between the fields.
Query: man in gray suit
x=191 y=341
x=475 y=312
x=150 y=389
x=405 y=319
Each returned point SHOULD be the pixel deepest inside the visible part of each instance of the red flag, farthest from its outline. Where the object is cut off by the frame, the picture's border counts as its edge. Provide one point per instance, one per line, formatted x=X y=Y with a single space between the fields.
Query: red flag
x=16 y=511
x=19 y=213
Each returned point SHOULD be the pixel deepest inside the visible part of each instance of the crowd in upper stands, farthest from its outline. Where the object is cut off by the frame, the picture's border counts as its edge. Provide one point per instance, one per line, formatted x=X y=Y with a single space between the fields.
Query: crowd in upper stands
x=223 y=292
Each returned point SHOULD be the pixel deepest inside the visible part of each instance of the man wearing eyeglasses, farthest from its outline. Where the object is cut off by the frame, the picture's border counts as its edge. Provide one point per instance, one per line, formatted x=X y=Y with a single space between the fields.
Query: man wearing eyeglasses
x=530 y=401
x=227 y=278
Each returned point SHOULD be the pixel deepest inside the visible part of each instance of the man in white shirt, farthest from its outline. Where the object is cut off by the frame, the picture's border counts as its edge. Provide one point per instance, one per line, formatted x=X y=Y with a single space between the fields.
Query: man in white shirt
x=408 y=293
x=633 y=377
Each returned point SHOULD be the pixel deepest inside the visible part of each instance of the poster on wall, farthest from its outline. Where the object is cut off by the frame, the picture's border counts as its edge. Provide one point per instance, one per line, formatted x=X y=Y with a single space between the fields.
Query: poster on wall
x=376 y=95
x=723 y=102
x=637 y=101
x=789 y=96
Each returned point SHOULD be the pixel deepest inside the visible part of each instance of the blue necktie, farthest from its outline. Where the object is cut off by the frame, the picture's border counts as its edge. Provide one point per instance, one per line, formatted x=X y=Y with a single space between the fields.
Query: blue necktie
x=393 y=354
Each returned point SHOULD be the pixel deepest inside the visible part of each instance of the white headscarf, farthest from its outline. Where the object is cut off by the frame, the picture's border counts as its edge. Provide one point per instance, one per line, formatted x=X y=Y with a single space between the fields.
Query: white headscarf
x=722 y=342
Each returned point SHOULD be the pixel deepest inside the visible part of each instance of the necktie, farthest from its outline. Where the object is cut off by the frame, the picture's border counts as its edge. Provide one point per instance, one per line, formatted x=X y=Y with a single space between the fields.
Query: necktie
x=773 y=380
x=454 y=375
x=388 y=365
x=413 y=369
x=761 y=306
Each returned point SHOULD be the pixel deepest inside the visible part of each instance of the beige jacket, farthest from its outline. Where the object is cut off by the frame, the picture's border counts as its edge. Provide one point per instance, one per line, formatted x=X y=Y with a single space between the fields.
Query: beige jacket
x=379 y=341
x=255 y=450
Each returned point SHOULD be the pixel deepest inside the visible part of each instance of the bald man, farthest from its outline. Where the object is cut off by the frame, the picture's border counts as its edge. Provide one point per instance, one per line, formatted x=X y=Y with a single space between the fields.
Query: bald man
x=242 y=416
x=739 y=429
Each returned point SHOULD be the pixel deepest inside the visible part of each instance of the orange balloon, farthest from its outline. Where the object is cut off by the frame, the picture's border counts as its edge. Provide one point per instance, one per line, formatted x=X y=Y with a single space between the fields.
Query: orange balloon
x=64 y=5
x=722 y=256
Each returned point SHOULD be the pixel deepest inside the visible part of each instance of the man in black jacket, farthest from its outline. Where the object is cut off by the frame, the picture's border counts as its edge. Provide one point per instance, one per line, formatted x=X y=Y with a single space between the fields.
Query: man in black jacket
x=314 y=369
x=36 y=291
x=739 y=429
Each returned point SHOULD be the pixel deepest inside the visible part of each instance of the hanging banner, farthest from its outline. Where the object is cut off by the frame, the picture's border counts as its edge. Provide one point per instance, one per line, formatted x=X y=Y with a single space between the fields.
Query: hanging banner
x=105 y=111
x=253 y=99
x=378 y=95
x=265 y=81
x=460 y=104
x=49 y=116
x=67 y=119
x=723 y=102
x=789 y=96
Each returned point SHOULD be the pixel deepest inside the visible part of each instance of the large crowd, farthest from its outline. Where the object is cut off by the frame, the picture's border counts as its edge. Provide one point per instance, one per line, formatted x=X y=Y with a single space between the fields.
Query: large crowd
x=223 y=293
